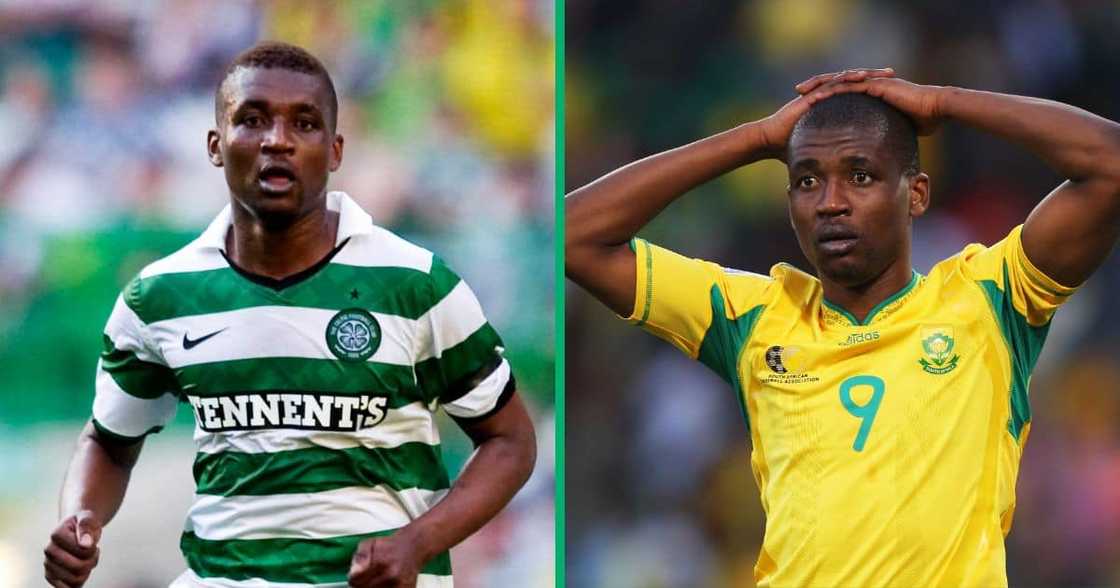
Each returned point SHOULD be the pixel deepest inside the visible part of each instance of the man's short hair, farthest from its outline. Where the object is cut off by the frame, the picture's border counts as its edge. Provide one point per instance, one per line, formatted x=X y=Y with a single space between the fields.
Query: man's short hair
x=277 y=55
x=867 y=113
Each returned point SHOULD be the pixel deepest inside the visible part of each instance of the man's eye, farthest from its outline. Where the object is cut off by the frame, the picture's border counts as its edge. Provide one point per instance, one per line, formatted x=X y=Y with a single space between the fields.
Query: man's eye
x=806 y=182
x=861 y=178
x=252 y=121
x=306 y=125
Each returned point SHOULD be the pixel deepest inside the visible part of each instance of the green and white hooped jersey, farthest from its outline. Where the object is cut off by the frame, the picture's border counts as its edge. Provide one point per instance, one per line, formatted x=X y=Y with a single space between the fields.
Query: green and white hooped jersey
x=314 y=399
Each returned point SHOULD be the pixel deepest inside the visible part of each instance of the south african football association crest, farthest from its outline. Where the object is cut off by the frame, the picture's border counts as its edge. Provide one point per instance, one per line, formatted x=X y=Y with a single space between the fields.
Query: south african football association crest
x=938 y=344
x=353 y=334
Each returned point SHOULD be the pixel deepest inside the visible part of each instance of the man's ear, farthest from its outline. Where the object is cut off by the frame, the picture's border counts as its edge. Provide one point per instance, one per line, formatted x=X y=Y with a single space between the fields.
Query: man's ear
x=336 y=153
x=918 y=194
x=213 y=150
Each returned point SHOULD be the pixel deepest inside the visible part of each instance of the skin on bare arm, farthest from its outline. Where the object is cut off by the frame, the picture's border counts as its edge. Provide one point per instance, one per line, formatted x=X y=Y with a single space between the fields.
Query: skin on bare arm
x=1071 y=232
x=92 y=492
x=602 y=217
x=506 y=450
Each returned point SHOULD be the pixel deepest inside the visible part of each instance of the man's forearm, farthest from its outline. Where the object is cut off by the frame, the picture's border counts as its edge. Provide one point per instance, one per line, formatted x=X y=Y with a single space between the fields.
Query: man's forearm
x=1077 y=144
x=499 y=467
x=612 y=209
x=97 y=477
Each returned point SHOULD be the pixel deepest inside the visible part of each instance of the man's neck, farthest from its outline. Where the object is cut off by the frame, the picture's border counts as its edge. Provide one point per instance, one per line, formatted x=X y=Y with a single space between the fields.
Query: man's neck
x=280 y=251
x=860 y=300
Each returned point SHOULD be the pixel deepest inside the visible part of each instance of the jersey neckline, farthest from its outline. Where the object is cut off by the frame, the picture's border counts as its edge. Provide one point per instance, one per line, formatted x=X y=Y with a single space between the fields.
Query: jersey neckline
x=915 y=277
x=287 y=281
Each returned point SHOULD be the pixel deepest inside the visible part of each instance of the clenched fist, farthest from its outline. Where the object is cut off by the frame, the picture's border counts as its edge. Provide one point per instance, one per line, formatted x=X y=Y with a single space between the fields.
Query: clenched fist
x=72 y=552
x=386 y=562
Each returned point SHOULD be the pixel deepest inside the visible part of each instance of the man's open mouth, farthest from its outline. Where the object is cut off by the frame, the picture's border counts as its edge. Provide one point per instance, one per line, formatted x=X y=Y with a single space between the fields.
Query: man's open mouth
x=274 y=178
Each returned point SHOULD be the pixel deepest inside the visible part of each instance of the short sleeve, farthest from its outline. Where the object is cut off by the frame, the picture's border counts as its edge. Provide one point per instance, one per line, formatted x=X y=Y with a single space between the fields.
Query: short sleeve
x=684 y=300
x=1010 y=279
x=459 y=354
x=136 y=392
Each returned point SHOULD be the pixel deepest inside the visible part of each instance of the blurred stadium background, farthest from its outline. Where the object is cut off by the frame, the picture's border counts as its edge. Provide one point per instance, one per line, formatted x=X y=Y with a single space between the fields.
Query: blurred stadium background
x=104 y=105
x=659 y=488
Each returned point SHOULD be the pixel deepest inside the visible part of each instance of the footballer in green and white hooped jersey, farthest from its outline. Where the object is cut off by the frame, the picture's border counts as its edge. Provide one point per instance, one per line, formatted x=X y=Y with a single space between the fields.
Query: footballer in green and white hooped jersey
x=314 y=397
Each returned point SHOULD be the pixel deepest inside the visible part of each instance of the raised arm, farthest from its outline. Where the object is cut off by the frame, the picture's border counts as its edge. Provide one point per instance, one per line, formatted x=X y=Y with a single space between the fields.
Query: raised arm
x=92 y=492
x=1070 y=233
x=604 y=215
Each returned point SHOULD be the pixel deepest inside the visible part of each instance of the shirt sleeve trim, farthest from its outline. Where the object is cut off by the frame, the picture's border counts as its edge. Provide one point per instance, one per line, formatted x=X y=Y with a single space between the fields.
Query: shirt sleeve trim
x=1037 y=276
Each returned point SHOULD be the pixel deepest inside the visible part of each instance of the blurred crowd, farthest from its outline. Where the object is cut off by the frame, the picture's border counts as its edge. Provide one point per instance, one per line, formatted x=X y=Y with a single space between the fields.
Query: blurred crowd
x=447 y=111
x=659 y=486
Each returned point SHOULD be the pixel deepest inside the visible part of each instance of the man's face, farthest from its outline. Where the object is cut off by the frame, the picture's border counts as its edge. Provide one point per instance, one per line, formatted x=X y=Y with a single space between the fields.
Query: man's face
x=274 y=142
x=850 y=202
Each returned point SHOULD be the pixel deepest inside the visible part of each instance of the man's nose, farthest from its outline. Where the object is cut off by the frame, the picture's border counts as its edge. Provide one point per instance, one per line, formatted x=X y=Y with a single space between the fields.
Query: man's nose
x=834 y=200
x=278 y=137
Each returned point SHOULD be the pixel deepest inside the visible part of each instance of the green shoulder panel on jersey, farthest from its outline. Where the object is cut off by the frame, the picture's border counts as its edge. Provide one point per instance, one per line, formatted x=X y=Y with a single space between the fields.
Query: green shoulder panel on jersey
x=310 y=561
x=318 y=469
x=385 y=290
x=724 y=341
x=142 y=379
x=1024 y=344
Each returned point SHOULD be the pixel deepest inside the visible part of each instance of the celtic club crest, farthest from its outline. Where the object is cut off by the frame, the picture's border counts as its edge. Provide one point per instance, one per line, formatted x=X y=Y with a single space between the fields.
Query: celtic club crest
x=938 y=344
x=353 y=334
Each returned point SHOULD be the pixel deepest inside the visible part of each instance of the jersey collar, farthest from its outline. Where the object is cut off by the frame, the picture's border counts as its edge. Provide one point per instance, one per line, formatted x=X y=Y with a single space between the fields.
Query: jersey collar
x=352 y=221
x=834 y=314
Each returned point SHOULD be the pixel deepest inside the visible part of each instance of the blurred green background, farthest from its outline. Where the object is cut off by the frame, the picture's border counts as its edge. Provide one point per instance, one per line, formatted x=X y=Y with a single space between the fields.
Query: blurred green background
x=446 y=106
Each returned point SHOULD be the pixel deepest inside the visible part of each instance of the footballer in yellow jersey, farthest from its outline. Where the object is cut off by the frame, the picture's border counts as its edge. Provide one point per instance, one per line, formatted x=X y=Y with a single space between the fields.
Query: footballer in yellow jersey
x=920 y=408
x=887 y=410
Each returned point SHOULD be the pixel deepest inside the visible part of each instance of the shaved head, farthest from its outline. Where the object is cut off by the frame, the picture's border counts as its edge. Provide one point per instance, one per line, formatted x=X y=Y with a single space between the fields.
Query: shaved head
x=866 y=114
x=276 y=55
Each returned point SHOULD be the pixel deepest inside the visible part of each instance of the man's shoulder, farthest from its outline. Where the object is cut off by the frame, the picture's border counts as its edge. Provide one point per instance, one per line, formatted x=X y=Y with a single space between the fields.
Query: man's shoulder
x=792 y=285
x=168 y=274
x=192 y=257
x=382 y=248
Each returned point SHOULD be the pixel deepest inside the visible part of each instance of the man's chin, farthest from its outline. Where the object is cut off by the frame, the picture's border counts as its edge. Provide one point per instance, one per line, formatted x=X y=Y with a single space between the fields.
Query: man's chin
x=845 y=271
x=274 y=209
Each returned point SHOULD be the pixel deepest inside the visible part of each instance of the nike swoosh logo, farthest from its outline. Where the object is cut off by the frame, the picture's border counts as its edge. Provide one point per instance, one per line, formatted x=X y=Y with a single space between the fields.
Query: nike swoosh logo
x=189 y=343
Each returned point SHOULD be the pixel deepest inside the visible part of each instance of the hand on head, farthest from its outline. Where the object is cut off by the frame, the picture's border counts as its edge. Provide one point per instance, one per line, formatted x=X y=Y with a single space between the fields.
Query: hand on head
x=921 y=103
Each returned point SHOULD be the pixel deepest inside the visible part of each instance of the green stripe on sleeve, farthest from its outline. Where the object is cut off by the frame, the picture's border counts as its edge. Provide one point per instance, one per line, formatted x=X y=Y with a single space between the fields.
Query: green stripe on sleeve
x=1024 y=344
x=317 y=469
x=443 y=281
x=142 y=379
x=446 y=377
x=723 y=343
x=300 y=375
x=648 y=284
x=311 y=561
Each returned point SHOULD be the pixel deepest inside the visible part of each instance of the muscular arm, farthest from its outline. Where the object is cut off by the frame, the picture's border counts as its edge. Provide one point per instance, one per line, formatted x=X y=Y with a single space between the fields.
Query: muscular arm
x=98 y=476
x=505 y=452
x=92 y=492
x=1073 y=229
x=601 y=217
x=1070 y=233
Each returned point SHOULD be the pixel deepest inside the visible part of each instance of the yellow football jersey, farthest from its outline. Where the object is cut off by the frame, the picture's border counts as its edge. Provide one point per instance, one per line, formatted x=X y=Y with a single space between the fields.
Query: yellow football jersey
x=886 y=452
